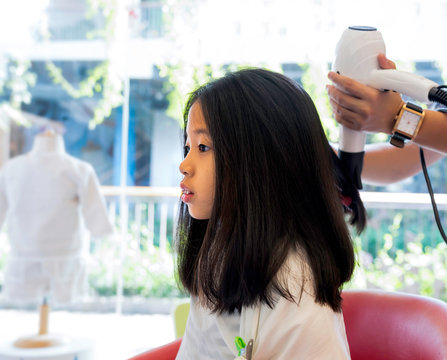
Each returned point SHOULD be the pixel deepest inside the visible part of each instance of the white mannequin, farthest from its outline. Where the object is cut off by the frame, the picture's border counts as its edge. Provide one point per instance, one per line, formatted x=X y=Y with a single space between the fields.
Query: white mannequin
x=48 y=141
x=51 y=201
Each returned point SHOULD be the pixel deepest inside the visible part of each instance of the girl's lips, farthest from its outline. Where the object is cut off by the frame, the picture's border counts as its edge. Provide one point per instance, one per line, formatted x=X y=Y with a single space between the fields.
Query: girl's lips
x=187 y=195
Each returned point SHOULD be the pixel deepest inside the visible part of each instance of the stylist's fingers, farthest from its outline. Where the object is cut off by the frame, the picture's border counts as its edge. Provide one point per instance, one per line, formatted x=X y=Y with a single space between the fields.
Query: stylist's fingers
x=347 y=110
x=350 y=85
x=345 y=116
x=385 y=63
x=344 y=100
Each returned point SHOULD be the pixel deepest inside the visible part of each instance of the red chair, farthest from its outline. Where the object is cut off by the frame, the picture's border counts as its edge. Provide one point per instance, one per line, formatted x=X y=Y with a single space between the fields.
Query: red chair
x=380 y=326
x=165 y=352
x=390 y=325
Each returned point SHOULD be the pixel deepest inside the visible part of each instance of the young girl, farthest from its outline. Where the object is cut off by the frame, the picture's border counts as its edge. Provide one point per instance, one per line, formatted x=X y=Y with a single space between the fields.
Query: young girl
x=262 y=241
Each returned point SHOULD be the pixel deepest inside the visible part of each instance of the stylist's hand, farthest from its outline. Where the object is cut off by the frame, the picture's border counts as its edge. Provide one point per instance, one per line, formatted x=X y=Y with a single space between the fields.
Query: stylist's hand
x=364 y=108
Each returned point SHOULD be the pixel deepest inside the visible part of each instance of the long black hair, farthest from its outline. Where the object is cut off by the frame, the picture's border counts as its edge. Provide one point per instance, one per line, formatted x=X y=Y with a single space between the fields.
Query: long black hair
x=276 y=191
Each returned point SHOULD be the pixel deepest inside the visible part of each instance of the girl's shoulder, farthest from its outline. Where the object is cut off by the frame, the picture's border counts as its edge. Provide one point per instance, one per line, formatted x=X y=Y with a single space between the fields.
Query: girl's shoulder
x=296 y=273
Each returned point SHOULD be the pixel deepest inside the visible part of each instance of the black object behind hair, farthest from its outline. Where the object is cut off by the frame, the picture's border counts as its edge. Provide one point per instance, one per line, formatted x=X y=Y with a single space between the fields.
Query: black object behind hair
x=354 y=206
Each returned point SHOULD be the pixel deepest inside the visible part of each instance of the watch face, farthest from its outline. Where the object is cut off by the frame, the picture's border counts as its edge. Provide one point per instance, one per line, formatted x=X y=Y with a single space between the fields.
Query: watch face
x=408 y=123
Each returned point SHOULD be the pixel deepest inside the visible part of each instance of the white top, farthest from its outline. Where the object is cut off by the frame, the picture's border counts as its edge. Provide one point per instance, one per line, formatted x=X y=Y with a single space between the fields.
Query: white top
x=50 y=201
x=288 y=331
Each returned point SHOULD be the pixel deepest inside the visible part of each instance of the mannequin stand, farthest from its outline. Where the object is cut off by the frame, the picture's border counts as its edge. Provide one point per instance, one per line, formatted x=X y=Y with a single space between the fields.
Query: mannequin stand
x=77 y=349
x=45 y=346
x=43 y=338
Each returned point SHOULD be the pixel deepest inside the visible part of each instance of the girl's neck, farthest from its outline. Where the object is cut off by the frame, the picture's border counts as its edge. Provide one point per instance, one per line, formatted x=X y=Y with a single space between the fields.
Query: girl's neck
x=48 y=142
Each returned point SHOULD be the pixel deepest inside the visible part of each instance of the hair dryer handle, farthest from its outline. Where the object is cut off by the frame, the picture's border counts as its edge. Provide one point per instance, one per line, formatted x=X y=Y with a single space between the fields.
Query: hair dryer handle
x=351 y=140
x=415 y=86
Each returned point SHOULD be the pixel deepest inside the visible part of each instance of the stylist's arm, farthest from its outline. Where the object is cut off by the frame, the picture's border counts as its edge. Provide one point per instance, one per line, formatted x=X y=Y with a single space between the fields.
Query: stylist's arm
x=363 y=108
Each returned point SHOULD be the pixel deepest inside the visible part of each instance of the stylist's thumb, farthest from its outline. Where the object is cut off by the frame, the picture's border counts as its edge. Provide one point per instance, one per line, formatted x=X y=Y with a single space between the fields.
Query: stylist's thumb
x=385 y=63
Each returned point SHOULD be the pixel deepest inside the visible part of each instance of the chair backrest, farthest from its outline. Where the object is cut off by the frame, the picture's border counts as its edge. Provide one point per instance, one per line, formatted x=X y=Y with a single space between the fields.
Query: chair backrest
x=391 y=325
x=379 y=325
x=180 y=315
x=165 y=352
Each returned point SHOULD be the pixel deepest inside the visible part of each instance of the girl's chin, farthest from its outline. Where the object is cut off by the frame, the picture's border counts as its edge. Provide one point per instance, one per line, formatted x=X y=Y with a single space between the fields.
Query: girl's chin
x=197 y=215
x=200 y=217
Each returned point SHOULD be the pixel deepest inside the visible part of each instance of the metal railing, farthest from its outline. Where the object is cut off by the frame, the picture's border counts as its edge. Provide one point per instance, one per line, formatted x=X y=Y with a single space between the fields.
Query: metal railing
x=402 y=200
x=155 y=209
x=403 y=216
x=141 y=203
x=150 y=218
x=145 y=21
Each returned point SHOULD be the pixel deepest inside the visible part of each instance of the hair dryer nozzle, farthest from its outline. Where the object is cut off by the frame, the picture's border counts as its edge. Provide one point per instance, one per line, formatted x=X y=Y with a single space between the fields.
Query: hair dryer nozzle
x=353 y=164
x=438 y=94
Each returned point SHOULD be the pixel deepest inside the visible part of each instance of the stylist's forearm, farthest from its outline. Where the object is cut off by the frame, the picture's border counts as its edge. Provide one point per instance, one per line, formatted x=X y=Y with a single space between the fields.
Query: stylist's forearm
x=433 y=132
x=386 y=164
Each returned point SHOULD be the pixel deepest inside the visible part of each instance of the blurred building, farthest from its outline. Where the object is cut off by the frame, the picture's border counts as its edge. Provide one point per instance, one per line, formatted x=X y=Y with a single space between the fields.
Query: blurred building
x=225 y=32
x=70 y=41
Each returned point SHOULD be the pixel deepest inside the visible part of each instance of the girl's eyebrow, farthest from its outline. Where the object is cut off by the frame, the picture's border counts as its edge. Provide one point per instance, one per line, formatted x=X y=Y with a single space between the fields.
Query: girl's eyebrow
x=201 y=131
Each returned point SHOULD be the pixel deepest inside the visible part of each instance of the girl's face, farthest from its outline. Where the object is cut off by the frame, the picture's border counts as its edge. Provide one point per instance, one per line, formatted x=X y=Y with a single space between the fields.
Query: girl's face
x=198 y=167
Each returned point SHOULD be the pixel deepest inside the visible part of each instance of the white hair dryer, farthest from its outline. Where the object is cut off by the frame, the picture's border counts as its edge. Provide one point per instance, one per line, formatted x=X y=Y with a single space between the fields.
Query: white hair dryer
x=356 y=57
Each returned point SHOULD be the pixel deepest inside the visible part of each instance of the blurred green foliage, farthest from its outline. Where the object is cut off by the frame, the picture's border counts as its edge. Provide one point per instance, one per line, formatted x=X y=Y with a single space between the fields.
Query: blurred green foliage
x=415 y=269
x=399 y=258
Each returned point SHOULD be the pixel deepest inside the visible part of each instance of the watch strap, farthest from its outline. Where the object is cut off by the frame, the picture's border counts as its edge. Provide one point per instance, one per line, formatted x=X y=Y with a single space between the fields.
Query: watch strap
x=398 y=139
x=414 y=107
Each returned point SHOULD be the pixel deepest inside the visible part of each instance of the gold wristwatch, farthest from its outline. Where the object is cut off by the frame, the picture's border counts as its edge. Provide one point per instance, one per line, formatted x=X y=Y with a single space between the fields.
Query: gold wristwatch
x=407 y=125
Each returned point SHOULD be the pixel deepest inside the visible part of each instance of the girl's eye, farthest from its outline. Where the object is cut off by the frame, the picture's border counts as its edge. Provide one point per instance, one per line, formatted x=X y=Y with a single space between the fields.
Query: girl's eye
x=203 y=148
x=186 y=150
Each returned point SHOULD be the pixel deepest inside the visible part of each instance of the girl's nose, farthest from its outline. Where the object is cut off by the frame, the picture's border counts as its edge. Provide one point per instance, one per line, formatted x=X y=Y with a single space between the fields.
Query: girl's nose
x=185 y=168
